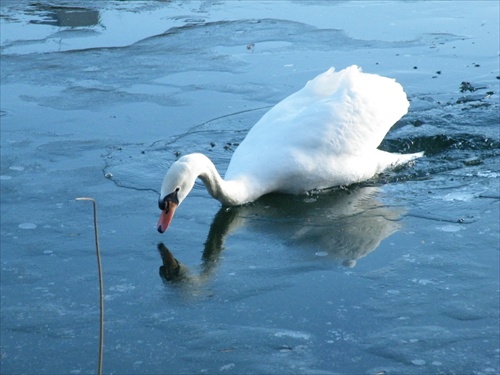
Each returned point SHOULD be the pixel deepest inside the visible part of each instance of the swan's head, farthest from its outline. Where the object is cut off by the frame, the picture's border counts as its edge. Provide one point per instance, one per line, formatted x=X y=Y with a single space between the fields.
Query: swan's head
x=176 y=185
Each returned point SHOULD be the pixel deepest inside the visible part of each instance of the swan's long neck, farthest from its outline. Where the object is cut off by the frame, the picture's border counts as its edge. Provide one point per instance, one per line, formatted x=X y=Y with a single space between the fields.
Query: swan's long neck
x=229 y=193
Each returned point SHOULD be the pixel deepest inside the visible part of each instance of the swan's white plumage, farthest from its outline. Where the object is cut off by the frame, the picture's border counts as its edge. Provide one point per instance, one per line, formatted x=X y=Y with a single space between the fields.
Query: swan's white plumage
x=351 y=110
x=324 y=135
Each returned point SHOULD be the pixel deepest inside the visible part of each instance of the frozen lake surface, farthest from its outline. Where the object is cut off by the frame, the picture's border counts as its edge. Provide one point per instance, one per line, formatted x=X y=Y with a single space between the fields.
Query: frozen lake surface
x=397 y=275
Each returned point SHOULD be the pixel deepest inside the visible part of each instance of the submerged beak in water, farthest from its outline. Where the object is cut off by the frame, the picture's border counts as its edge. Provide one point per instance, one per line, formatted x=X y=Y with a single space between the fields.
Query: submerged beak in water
x=167 y=205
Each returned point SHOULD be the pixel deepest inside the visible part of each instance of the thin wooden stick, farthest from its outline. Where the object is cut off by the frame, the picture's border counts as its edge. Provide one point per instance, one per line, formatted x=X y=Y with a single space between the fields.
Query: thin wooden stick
x=101 y=285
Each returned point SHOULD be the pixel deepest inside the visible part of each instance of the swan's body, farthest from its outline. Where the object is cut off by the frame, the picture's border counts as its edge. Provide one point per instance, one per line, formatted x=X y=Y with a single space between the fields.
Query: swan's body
x=324 y=135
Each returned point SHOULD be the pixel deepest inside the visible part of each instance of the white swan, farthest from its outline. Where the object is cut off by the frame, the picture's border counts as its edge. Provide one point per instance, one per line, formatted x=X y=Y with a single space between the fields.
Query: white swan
x=324 y=135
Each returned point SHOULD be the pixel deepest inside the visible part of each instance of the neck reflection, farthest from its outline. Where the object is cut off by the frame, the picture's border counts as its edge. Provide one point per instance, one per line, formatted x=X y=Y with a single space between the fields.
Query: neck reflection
x=342 y=226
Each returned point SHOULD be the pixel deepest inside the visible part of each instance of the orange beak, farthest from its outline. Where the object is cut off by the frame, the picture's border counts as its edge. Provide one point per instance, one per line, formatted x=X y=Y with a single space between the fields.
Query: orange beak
x=166 y=216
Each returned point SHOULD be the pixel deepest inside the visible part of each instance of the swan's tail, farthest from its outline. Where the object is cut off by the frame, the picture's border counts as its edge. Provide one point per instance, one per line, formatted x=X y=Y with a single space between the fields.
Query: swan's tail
x=387 y=160
x=401 y=159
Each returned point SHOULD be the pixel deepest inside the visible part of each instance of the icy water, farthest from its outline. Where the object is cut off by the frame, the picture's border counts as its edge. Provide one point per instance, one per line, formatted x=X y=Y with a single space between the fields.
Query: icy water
x=399 y=275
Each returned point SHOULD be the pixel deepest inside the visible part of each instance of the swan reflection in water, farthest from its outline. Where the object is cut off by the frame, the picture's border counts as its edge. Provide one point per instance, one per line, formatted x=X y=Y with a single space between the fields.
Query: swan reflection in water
x=343 y=224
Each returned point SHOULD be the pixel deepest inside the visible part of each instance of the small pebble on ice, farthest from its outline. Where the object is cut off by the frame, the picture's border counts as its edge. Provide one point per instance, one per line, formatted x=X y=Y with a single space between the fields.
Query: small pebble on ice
x=108 y=175
x=418 y=362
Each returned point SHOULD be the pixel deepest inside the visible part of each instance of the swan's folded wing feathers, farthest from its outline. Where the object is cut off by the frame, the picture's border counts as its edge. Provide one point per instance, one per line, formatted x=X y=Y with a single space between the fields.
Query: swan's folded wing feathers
x=358 y=115
x=352 y=110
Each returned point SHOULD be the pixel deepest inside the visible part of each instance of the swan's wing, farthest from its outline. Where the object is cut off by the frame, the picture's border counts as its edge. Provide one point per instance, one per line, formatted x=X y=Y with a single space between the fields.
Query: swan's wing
x=346 y=112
